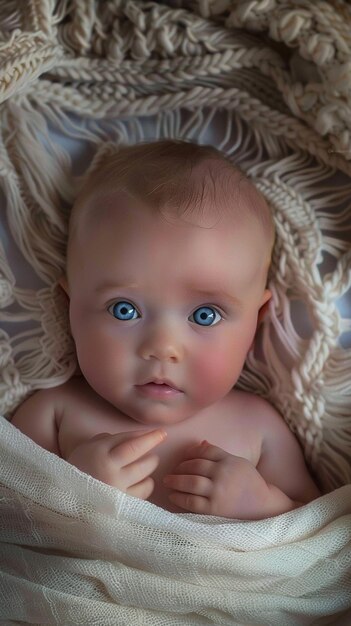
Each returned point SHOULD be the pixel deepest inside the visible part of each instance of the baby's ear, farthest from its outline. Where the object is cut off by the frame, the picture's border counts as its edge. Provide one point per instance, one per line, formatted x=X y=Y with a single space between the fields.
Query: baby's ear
x=264 y=306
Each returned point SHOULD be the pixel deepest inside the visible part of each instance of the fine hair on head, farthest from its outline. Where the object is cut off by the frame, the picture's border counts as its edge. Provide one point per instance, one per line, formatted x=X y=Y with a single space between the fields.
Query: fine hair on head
x=174 y=177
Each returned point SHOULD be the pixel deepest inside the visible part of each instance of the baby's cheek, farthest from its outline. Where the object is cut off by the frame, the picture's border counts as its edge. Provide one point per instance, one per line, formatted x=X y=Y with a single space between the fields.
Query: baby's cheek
x=213 y=375
x=99 y=357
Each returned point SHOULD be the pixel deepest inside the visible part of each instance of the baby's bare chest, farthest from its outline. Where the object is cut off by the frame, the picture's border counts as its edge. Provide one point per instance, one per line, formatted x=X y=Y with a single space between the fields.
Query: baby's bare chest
x=222 y=425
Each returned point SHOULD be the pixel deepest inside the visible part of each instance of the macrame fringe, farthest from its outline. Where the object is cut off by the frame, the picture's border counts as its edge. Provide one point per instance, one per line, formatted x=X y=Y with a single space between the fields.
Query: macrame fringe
x=127 y=72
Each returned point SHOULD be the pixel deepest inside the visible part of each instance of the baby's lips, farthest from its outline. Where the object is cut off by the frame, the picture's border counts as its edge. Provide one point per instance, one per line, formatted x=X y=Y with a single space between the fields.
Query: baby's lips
x=160 y=381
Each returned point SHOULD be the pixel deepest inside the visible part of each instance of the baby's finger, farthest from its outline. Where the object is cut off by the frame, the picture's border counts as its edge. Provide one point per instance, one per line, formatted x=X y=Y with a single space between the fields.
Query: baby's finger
x=142 y=490
x=205 y=450
x=188 y=483
x=137 y=446
x=189 y=502
x=139 y=470
x=199 y=467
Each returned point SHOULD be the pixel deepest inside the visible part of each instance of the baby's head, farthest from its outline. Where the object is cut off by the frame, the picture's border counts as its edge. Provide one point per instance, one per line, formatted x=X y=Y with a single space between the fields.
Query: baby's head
x=167 y=260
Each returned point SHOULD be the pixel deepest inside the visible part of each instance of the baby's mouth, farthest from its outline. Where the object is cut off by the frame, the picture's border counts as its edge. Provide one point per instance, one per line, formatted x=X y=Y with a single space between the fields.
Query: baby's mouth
x=158 y=389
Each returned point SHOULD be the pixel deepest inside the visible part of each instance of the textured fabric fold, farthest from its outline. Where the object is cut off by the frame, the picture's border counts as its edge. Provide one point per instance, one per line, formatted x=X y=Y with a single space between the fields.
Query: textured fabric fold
x=77 y=551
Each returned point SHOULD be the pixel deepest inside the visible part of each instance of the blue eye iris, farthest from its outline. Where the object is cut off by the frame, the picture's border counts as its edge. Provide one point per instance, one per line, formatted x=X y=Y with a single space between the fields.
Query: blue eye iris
x=206 y=316
x=123 y=311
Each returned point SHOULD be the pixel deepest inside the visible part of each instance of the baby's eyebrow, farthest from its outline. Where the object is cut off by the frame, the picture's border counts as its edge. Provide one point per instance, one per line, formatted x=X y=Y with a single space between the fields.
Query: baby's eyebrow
x=216 y=294
x=209 y=294
x=113 y=286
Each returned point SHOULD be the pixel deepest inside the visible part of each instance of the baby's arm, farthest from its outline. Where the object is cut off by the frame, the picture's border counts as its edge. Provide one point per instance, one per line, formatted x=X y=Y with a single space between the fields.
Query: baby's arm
x=35 y=417
x=120 y=460
x=282 y=463
x=212 y=481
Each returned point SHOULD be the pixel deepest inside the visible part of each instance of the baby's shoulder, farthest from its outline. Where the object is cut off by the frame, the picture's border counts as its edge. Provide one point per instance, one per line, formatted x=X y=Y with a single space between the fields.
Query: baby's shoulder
x=58 y=401
x=254 y=413
x=262 y=416
x=36 y=417
x=250 y=404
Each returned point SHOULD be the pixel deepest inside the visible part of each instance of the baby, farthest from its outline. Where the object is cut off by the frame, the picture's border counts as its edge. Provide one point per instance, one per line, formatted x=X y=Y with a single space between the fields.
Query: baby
x=167 y=260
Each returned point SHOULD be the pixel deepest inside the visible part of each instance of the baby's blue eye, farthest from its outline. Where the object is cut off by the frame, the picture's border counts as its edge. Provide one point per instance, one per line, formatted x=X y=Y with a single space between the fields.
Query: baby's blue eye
x=123 y=310
x=206 y=316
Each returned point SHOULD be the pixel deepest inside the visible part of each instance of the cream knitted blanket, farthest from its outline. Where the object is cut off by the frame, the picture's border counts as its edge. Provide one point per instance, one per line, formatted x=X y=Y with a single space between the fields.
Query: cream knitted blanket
x=269 y=82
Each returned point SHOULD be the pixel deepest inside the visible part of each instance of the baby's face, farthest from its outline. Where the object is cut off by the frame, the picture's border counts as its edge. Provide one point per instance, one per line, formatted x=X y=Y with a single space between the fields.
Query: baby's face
x=155 y=299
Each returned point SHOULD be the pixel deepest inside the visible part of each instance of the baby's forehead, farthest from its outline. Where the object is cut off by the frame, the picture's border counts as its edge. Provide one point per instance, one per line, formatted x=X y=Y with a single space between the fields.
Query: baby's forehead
x=203 y=194
x=148 y=228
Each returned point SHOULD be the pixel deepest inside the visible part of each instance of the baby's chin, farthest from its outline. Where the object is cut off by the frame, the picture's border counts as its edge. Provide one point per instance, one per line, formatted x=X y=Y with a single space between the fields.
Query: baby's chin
x=157 y=414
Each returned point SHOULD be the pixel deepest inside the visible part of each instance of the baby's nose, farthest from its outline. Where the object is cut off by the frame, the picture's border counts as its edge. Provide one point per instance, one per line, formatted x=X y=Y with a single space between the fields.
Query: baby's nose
x=163 y=346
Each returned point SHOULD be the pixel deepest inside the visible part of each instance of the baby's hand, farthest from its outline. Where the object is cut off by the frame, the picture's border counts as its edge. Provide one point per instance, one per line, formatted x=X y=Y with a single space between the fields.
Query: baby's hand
x=212 y=481
x=121 y=460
